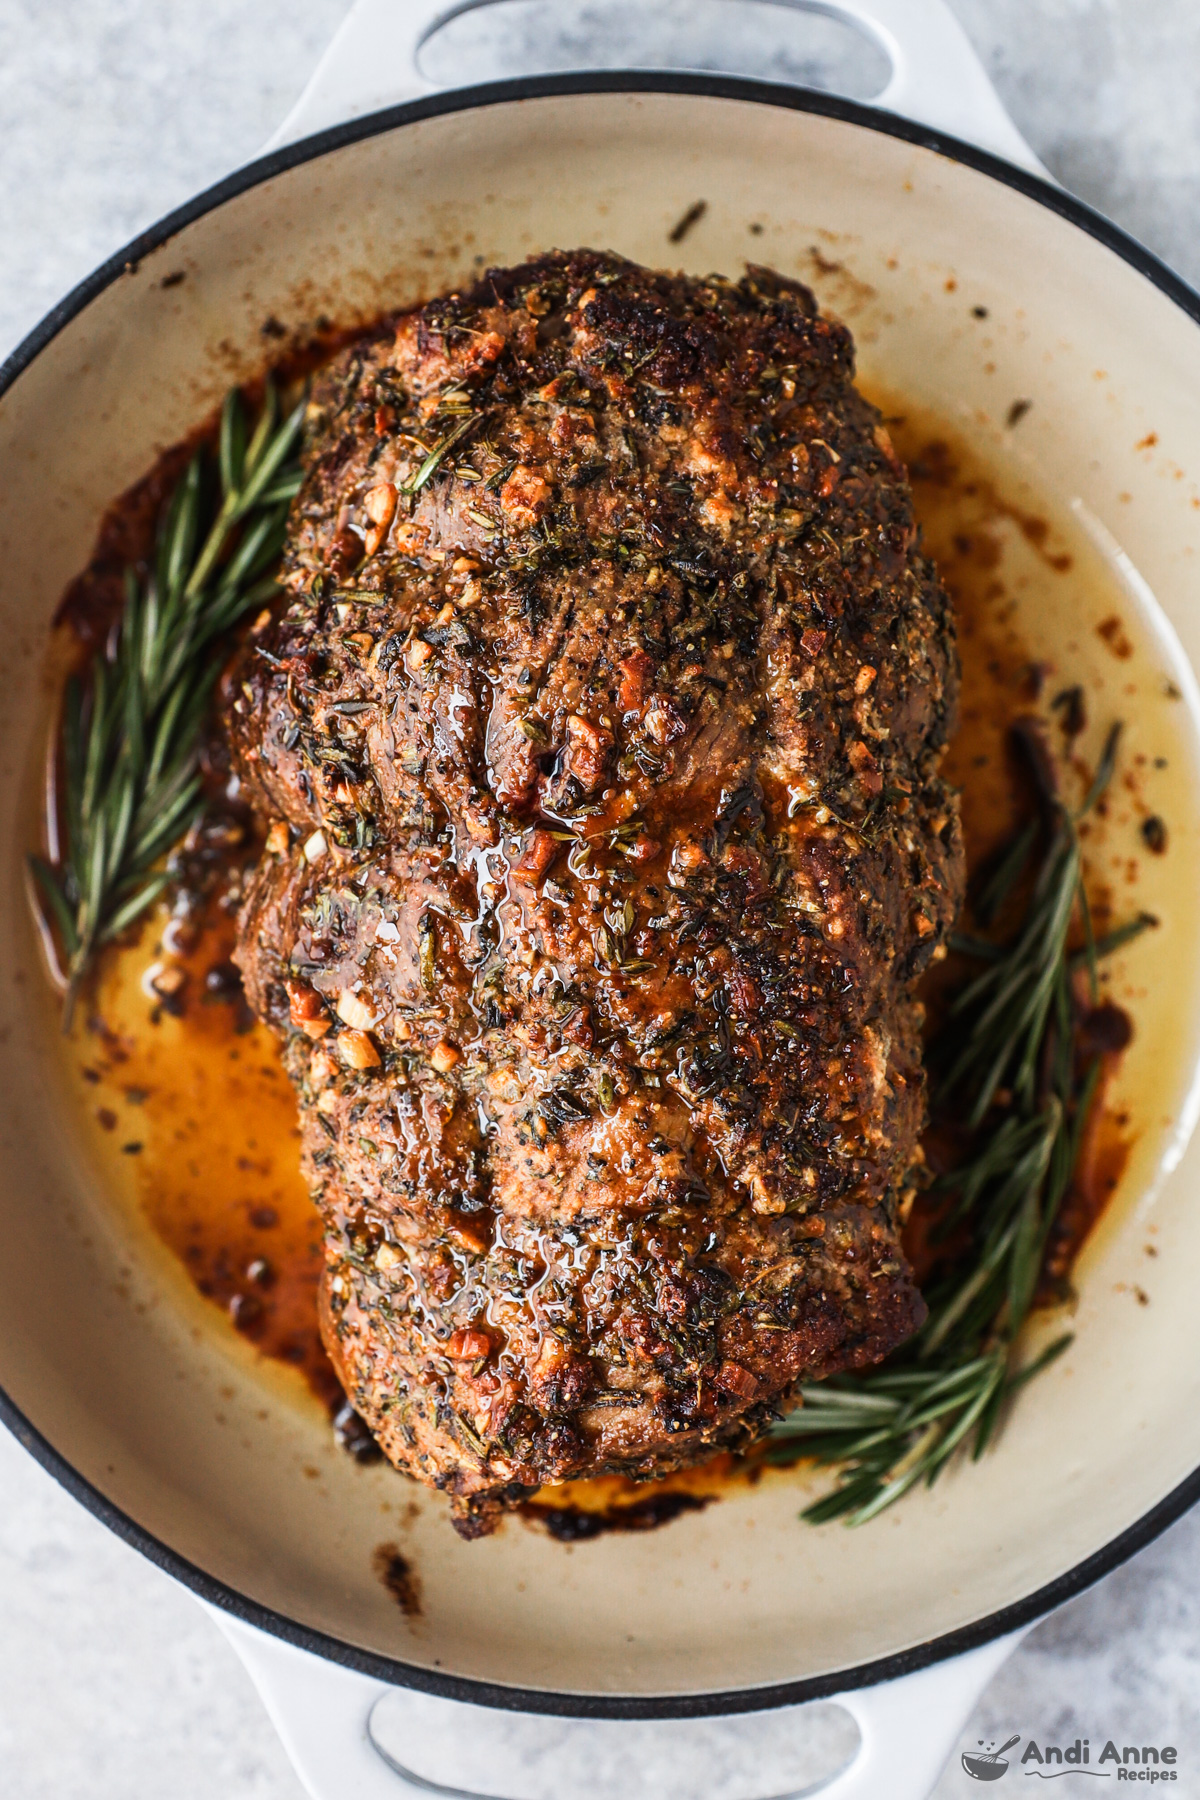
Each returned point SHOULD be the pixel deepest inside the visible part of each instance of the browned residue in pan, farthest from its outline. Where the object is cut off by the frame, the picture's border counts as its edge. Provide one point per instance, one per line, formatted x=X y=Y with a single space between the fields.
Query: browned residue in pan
x=399 y=1578
x=570 y=1524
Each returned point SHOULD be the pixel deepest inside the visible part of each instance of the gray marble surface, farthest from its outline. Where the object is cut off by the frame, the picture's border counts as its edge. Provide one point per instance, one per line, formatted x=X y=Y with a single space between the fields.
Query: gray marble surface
x=113 y=1684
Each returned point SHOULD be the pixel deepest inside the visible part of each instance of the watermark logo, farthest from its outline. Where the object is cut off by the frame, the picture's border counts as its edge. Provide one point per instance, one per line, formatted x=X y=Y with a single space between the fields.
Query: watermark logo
x=1146 y=1763
x=989 y=1763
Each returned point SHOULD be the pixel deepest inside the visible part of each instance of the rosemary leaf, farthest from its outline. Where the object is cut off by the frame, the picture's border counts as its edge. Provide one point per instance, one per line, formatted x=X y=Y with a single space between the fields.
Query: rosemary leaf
x=64 y=916
x=1007 y=873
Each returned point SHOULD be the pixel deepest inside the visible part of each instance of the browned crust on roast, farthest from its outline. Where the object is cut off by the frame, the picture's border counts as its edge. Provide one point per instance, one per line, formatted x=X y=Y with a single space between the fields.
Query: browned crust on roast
x=623 y=742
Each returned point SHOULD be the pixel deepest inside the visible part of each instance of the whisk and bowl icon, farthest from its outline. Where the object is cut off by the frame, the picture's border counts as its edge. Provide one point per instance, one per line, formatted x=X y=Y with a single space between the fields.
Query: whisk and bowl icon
x=989 y=1765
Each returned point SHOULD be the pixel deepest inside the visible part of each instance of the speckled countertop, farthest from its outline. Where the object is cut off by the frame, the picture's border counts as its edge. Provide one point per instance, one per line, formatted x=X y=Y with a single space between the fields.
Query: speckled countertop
x=113 y=1684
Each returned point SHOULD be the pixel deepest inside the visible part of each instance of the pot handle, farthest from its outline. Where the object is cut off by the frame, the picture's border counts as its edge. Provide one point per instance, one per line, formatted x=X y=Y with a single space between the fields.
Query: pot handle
x=936 y=80
x=322 y=1712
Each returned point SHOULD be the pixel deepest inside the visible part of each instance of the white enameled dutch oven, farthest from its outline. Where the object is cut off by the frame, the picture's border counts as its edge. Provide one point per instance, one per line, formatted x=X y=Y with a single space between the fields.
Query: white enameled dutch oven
x=925 y=209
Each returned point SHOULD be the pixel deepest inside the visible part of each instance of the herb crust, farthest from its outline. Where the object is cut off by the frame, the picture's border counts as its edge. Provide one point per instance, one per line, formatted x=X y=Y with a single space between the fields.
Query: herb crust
x=597 y=741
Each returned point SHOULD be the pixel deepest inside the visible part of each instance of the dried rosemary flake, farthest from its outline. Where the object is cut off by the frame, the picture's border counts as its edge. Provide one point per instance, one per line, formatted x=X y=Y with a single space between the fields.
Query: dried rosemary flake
x=429 y=467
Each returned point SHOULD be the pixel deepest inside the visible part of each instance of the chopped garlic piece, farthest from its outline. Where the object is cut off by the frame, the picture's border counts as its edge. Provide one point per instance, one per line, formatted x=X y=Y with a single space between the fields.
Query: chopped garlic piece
x=355 y=1011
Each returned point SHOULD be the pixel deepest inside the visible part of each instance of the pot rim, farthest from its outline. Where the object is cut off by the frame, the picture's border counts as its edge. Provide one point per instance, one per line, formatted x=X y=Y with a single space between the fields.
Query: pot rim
x=389 y=1669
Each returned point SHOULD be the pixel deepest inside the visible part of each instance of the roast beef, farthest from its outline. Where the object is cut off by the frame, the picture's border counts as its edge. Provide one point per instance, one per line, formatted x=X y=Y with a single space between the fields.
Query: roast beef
x=596 y=739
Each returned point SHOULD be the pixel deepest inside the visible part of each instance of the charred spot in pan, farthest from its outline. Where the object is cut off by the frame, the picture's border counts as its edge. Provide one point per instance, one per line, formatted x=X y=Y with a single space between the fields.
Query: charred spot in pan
x=579 y=1525
x=400 y=1579
x=1103 y=1030
x=1112 y=631
x=1071 y=707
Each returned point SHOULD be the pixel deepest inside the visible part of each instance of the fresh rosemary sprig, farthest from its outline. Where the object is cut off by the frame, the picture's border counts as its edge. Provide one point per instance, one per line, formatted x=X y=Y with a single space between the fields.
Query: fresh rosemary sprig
x=128 y=779
x=1011 y=1073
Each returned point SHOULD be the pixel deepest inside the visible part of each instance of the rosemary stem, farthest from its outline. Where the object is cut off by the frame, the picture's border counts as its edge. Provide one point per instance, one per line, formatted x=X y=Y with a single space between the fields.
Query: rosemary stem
x=129 y=735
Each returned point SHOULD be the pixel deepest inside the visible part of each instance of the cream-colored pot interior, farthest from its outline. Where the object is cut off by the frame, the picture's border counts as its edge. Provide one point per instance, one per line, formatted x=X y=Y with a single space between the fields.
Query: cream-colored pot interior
x=105 y=1349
